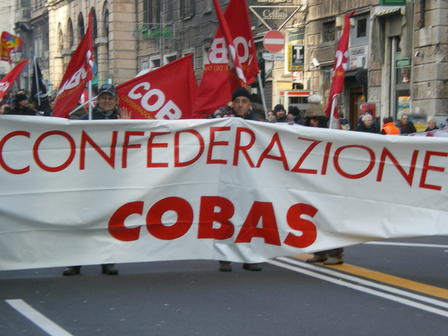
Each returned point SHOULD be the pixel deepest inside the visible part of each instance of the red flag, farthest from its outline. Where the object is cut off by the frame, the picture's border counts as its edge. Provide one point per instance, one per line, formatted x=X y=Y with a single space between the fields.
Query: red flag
x=225 y=69
x=8 y=80
x=79 y=72
x=153 y=95
x=8 y=43
x=340 y=65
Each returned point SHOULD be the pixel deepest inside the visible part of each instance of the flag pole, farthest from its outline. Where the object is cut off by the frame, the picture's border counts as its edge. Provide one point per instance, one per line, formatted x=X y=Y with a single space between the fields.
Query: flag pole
x=88 y=99
x=82 y=105
x=263 y=99
x=332 y=109
x=36 y=79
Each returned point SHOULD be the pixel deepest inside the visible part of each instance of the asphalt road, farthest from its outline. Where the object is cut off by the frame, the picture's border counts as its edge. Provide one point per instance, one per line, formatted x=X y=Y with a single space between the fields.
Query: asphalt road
x=400 y=288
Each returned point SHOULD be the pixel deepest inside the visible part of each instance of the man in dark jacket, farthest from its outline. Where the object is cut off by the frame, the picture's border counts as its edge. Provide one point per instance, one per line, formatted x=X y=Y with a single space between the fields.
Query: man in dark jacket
x=106 y=108
x=316 y=117
x=280 y=113
x=22 y=106
x=241 y=105
x=106 y=104
x=367 y=124
x=406 y=126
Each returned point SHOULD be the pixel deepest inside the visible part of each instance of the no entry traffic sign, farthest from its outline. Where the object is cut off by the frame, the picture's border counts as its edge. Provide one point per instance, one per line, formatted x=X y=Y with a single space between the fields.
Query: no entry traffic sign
x=274 y=41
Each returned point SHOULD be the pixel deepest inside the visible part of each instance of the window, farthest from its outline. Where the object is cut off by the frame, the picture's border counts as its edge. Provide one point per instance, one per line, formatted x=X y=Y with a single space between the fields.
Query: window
x=38 y=52
x=169 y=58
x=189 y=51
x=70 y=38
x=187 y=9
x=151 y=11
x=361 y=28
x=80 y=27
x=329 y=31
x=169 y=11
x=154 y=63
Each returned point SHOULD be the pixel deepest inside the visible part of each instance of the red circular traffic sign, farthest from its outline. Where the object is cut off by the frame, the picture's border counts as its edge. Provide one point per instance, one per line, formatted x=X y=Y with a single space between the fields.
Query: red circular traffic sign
x=274 y=41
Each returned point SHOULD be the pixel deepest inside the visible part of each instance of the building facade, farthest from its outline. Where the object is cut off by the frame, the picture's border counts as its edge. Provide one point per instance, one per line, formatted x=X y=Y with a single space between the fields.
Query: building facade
x=397 y=57
x=397 y=52
x=113 y=33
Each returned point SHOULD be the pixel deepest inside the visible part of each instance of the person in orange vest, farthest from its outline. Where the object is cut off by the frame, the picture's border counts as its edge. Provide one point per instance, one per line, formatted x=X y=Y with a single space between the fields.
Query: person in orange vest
x=389 y=127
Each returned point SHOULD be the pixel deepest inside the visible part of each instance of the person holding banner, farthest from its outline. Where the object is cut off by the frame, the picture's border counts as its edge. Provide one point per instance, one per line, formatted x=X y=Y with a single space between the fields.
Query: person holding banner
x=107 y=104
x=242 y=104
x=106 y=108
x=242 y=108
x=316 y=117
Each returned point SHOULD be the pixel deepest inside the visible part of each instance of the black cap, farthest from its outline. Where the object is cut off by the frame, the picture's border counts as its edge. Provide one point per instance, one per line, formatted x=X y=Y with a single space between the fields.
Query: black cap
x=107 y=88
x=241 y=92
x=279 y=107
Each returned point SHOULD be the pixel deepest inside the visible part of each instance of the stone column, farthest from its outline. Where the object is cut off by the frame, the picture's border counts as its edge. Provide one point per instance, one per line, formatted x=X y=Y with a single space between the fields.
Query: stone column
x=122 y=40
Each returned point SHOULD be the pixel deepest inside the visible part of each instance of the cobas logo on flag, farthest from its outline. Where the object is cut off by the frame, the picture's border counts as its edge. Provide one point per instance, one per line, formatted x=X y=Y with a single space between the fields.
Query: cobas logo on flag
x=232 y=59
x=153 y=95
x=79 y=72
x=78 y=76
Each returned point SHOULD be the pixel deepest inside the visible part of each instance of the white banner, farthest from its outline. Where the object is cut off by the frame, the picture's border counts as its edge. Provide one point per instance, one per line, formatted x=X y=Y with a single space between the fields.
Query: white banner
x=92 y=192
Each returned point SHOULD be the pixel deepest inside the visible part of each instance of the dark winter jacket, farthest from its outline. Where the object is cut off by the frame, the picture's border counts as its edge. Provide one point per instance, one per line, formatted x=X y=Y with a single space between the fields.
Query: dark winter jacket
x=372 y=129
x=22 y=110
x=408 y=128
x=98 y=114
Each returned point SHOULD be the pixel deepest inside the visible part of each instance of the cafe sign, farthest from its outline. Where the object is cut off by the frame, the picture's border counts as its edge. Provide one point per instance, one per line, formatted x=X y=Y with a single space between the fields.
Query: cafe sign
x=274 y=17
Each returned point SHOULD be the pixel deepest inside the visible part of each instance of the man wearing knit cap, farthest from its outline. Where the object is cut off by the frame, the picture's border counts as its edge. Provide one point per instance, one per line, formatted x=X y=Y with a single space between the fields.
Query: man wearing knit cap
x=280 y=113
x=21 y=106
x=242 y=104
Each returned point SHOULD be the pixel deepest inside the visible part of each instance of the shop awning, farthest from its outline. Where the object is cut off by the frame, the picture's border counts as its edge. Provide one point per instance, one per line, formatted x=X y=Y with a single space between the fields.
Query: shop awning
x=388 y=10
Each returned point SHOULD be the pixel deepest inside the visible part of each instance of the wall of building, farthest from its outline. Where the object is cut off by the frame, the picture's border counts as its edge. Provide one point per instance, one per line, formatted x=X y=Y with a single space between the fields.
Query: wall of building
x=430 y=60
x=115 y=40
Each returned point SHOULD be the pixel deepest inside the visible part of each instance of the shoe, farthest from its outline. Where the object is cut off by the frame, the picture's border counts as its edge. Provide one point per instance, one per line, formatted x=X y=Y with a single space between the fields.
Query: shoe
x=225 y=266
x=316 y=258
x=109 y=269
x=72 y=270
x=334 y=260
x=252 y=267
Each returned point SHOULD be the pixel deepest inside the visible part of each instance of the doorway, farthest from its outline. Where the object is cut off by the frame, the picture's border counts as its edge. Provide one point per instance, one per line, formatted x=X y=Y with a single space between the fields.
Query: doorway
x=356 y=98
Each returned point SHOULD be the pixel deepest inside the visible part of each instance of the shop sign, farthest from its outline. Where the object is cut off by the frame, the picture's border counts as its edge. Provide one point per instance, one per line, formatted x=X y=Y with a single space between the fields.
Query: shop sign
x=393 y=2
x=273 y=56
x=274 y=17
x=357 y=58
x=148 y=30
x=296 y=57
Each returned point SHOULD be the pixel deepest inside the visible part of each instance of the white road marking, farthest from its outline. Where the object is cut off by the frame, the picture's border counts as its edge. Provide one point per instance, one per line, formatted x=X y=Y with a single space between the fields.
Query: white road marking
x=37 y=318
x=340 y=282
x=368 y=283
x=409 y=244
